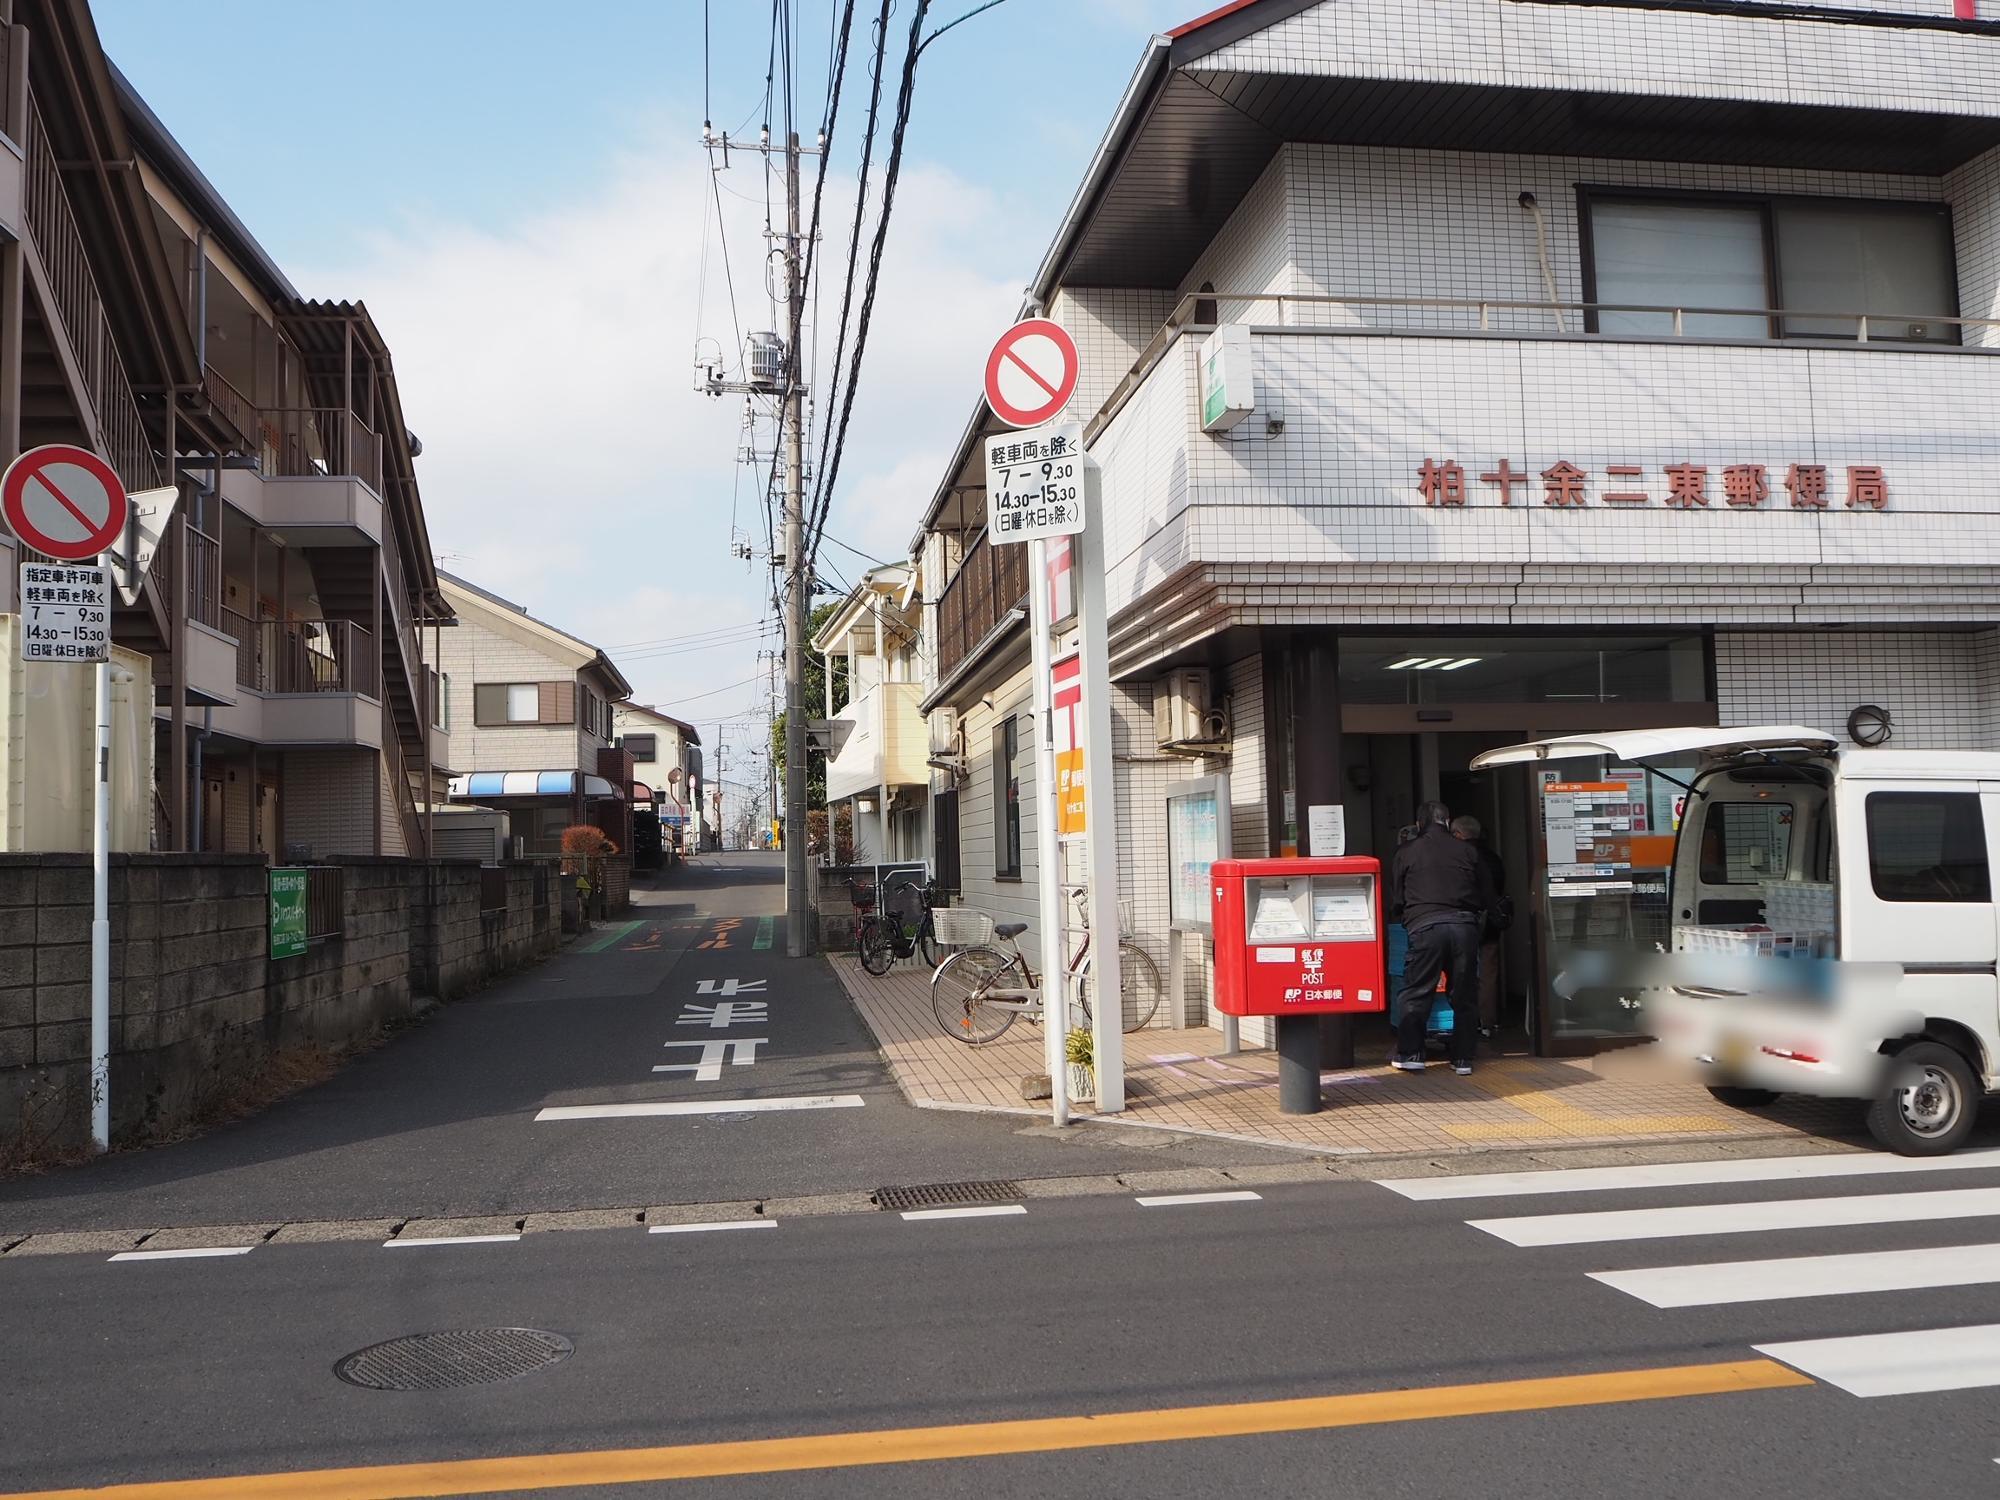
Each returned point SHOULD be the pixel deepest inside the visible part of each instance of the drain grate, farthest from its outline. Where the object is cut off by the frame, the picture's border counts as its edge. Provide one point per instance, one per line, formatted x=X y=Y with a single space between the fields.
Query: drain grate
x=946 y=1195
x=453 y=1358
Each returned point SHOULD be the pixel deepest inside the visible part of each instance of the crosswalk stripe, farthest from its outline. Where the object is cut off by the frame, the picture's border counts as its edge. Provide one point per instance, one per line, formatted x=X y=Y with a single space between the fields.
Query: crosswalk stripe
x=1741 y=1218
x=1681 y=1174
x=1899 y=1364
x=1722 y=1282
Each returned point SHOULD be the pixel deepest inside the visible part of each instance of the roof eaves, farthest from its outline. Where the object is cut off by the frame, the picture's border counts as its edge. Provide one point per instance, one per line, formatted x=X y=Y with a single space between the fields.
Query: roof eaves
x=171 y=158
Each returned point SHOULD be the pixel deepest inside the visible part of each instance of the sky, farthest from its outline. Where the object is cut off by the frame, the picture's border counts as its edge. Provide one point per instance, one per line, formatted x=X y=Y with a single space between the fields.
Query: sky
x=520 y=195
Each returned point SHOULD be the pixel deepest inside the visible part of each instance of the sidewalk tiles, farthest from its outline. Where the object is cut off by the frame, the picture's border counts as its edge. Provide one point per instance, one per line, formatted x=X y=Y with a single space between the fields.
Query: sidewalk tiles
x=1179 y=1080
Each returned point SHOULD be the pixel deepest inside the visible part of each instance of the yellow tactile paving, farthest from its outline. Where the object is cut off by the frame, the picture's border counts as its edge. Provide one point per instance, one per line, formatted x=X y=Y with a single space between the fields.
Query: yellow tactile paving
x=1179 y=1080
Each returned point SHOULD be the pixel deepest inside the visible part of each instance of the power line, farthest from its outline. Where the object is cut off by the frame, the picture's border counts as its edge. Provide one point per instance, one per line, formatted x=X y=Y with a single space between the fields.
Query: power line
x=904 y=97
x=881 y=27
x=693 y=635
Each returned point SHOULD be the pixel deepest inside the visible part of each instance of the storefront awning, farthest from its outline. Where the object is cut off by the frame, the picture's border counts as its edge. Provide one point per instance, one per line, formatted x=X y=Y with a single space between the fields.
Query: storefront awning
x=477 y=786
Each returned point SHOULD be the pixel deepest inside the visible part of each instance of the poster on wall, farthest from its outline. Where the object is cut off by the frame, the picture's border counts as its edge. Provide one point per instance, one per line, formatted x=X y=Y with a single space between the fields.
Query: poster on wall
x=1197 y=836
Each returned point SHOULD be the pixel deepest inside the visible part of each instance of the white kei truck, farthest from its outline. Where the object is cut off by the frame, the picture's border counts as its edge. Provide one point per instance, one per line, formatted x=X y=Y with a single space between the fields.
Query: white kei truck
x=1833 y=920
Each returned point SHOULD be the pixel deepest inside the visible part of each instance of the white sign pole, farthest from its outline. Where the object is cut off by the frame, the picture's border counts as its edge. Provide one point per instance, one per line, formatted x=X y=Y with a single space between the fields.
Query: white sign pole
x=1100 y=802
x=100 y=916
x=1048 y=849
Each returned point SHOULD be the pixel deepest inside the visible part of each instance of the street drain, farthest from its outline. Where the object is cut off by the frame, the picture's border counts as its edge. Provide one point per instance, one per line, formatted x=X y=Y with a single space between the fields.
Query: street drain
x=455 y=1357
x=945 y=1195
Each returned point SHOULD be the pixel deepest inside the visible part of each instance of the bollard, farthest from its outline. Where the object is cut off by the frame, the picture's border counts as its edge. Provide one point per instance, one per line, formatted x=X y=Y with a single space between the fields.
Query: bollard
x=1298 y=1065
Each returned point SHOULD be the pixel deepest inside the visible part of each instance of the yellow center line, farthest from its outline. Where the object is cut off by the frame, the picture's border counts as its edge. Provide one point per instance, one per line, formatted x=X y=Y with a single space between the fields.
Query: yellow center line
x=843 y=1450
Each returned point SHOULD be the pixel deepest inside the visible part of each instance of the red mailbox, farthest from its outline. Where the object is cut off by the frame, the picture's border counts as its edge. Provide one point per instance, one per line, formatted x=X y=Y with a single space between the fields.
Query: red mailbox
x=1302 y=937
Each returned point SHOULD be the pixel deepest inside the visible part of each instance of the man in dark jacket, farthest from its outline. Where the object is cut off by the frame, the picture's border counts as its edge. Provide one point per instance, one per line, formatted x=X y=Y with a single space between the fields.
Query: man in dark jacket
x=1440 y=891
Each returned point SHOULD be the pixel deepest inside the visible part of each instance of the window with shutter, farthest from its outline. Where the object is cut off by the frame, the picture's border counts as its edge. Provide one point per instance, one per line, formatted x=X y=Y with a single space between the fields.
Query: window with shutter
x=489 y=703
x=558 y=702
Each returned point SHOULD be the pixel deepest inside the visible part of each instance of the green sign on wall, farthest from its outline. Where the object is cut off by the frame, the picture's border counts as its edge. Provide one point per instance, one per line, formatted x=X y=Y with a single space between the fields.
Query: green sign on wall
x=288 y=913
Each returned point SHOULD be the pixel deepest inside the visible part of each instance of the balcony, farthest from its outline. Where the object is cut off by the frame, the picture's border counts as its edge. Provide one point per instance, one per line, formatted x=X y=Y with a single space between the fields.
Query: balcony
x=1647 y=477
x=989 y=585
x=304 y=683
x=13 y=160
x=887 y=744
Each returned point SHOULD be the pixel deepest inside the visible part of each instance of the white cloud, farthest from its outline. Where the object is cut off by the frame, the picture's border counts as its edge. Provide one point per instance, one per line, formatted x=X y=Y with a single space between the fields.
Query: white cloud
x=568 y=463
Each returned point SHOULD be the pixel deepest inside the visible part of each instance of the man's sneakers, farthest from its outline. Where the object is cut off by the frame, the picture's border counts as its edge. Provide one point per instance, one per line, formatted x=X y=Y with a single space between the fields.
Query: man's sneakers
x=1407 y=1064
x=1462 y=1069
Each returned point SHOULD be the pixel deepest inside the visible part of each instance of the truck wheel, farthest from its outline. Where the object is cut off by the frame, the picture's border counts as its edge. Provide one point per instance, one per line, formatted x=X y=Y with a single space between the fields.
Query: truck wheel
x=1934 y=1113
x=1738 y=1097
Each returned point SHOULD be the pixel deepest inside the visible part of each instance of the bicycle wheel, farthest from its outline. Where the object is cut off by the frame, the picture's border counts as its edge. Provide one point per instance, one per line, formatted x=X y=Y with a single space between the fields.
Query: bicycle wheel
x=872 y=942
x=958 y=995
x=1138 y=986
x=928 y=947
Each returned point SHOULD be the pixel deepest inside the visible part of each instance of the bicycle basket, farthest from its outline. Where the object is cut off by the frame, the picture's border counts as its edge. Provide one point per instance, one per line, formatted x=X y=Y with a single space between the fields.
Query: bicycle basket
x=961 y=926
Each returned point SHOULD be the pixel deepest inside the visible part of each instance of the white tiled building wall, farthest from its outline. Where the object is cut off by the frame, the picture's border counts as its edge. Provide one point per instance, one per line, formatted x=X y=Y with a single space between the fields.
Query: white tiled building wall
x=1939 y=686
x=1632 y=51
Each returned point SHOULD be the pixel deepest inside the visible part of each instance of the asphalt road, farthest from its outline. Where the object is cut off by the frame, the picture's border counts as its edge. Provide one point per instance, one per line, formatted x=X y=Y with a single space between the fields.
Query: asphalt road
x=442 y=1120
x=191 y=1368
x=1555 y=1334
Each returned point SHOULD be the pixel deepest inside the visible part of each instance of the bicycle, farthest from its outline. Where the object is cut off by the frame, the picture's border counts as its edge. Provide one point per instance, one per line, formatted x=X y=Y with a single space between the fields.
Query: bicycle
x=881 y=940
x=975 y=1000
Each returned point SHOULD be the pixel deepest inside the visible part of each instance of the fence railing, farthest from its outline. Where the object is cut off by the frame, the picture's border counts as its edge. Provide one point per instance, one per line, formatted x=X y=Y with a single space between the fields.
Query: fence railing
x=204 y=555
x=58 y=245
x=990 y=582
x=235 y=408
x=303 y=441
x=1514 y=318
x=324 y=905
x=303 y=656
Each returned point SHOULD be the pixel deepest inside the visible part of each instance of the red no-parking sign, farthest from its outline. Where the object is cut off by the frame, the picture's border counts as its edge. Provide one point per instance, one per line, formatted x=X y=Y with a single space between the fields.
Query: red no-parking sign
x=1031 y=373
x=64 y=502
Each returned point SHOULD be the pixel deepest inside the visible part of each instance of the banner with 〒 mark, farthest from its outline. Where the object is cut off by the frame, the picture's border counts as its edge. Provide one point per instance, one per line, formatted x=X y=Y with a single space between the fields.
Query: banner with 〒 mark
x=1066 y=706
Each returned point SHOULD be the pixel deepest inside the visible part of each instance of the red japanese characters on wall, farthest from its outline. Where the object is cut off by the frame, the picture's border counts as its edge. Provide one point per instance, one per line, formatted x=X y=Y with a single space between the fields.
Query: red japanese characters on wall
x=1684 y=486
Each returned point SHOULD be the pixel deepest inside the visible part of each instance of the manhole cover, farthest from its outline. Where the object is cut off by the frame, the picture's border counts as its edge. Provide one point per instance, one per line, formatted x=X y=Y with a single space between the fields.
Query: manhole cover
x=455 y=1357
x=946 y=1194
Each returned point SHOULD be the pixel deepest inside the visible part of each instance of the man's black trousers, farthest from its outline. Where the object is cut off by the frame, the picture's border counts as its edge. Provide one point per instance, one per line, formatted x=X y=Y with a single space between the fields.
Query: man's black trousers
x=1453 y=948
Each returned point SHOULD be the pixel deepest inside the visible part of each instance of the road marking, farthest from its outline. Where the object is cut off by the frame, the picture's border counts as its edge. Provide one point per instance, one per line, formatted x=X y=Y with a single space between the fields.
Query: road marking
x=183 y=1254
x=453 y=1239
x=984 y=1211
x=697 y=1107
x=845 y=1450
x=1741 y=1218
x=1176 y=1200
x=611 y=936
x=1808 y=1276
x=740 y=1051
x=1899 y=1364
x=717 y=1224
x=1680 y=1174
x=766 y=927
x=728 y=987
x=725 y=1013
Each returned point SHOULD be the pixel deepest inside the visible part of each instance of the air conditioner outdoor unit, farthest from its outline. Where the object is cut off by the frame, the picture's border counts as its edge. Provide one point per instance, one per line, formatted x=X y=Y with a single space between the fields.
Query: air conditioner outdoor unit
x=948 y=743
x=1183 y=721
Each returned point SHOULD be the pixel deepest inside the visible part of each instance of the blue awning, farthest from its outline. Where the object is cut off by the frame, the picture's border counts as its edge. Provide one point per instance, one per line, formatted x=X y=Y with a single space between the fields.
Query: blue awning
x=478 y=786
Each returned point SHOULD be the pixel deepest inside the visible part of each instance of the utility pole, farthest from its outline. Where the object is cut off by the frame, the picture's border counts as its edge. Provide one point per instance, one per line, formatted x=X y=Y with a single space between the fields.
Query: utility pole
x=796 y=896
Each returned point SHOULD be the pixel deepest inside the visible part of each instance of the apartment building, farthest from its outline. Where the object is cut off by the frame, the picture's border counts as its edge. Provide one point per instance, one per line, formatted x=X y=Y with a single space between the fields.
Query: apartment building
x=529 y=717
x=666 y=761
x=286 y=606
x=1492 y=368
x=876 y=737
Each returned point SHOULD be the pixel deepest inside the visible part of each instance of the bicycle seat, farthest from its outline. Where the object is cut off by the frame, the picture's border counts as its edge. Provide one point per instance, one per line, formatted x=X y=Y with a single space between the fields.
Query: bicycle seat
x=1009 y=929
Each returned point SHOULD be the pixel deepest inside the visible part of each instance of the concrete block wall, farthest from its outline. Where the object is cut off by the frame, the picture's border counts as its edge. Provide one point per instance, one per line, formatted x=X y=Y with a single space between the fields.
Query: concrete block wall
x=197 y=1003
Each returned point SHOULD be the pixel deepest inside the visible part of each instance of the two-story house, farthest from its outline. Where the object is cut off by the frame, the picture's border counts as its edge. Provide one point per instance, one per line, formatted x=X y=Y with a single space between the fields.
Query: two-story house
x=529 y=714
x=285 y=607
x=1490 y=368
x=876 y=735
x=666 y=759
